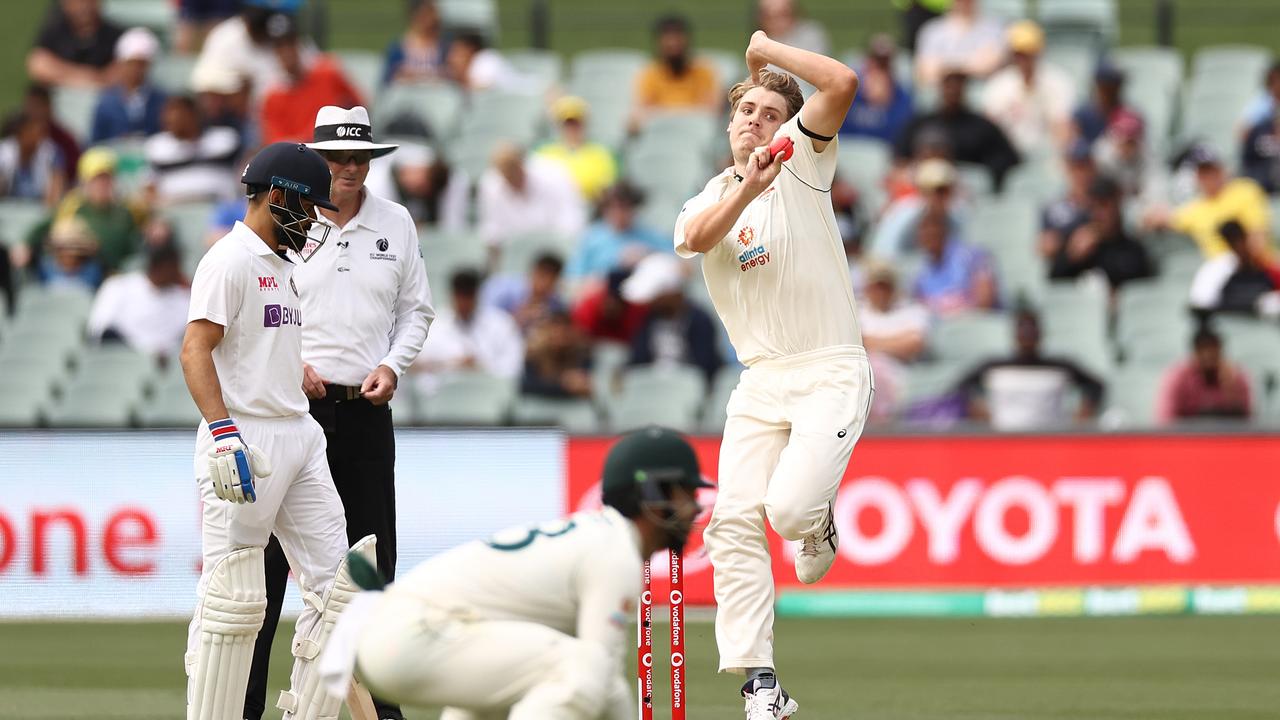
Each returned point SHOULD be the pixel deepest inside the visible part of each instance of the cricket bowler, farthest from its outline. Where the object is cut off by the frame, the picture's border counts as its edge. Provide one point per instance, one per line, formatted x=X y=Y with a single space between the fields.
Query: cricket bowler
x=776 y=272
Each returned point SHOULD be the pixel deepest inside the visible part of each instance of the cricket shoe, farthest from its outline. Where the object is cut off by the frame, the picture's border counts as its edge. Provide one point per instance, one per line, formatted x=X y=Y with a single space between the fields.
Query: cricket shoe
x=818 y=551
x=766 y=700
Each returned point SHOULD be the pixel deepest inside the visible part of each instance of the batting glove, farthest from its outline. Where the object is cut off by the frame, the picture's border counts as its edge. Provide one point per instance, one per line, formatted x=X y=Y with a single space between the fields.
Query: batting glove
x=234 y=465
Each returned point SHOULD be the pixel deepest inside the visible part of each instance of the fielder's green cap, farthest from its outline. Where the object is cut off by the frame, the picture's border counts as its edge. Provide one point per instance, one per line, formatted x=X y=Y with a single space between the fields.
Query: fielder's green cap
x=652 y=454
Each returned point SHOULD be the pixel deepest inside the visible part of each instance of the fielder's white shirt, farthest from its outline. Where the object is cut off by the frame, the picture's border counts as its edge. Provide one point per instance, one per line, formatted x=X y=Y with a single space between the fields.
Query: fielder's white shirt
x=580 y=575
x=780 y=279
x=246 y=288
x=364 y=294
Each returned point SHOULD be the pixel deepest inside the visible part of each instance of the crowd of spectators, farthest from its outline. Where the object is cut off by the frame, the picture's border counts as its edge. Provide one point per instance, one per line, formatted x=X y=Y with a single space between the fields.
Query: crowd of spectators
x=980 y=100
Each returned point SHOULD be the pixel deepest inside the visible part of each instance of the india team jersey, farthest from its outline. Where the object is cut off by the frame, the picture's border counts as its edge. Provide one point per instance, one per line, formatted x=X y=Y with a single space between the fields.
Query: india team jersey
x=246 y=288
x=580 y=575
x=779 y=280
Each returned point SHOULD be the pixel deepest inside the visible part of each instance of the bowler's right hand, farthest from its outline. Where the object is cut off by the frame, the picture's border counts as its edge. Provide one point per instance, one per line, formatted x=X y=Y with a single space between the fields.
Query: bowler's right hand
x=762 y=170
x=233 y=466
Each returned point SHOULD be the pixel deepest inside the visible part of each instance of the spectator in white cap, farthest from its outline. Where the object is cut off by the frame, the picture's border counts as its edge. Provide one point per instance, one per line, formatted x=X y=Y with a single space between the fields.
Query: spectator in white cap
x=675 y=332
x=130 y=107
x=363 y=289
x=224 y=100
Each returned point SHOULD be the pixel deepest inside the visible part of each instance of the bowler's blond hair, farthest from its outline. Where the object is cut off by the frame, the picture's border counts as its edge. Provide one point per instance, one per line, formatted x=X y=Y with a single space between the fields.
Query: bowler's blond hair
x=781 y=83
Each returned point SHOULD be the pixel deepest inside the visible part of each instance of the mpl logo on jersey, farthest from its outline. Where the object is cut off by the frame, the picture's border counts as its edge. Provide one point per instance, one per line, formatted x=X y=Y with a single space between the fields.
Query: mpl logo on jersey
x=280 y=316
x=267 y=283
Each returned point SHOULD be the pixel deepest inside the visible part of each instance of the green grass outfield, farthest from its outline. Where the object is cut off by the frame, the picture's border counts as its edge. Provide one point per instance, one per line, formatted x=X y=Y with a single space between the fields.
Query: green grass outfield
x=1168 y=668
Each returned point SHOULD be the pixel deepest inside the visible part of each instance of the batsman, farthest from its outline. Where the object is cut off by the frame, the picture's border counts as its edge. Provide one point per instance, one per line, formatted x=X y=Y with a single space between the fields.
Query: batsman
x=260 y=463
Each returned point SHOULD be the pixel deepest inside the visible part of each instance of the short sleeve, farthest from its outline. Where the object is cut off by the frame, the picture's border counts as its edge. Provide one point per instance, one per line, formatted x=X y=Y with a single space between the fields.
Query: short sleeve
x=816 y=169
x=217 y=290
x=695 y=205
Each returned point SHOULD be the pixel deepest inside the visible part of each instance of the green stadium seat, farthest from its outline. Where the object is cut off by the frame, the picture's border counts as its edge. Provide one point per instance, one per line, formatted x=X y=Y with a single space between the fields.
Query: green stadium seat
x=18 y=218
x=685 y=383
x=172 y=73
x=544 y=67
x=972 y=337
x=699 y=130
x=1083 y=22
x=1132 y=394
x=863 y=163
x=519 y=252
x=1008 y=229
x=1156 y=104
x=23 y=403
x=170 y=407
x=405 y=406
x=1035 y=182
x=116 y=364
x=469 y=399
x=573 y=416
x=472 y=153
x=616 y=65
x=1220 y=61
x=929 y=381
x=445 y=252
x=976 y=179
x=731 y=68
x=633 y=412
x=481 y=15
x=51 y=305
x=158 y=16
x=94 y=404
x=438 y=105
x=1006 y=10
x=512 y=116
x=666 y=171
x=1077 y=60
x=73 y=107
x=608 y=360
x=1156 y=66
x=191 y=223
x=364 y=68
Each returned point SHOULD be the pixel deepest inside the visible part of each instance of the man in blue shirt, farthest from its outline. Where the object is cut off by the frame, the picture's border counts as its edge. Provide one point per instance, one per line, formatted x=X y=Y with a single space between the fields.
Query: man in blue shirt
x=132 y=106
x=616 y=239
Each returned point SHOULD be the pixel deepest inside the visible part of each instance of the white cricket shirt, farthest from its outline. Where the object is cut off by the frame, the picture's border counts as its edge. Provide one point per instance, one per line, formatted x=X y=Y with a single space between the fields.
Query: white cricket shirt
x=580 y=575
x=246 y=288
x=364 y=294
x=780 y=279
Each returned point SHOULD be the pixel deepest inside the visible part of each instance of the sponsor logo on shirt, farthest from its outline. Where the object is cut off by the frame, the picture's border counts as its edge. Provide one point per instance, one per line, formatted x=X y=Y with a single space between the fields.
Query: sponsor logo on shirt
x=293 y=286
x=752 y=257
x=267 y=283
x=280 y=316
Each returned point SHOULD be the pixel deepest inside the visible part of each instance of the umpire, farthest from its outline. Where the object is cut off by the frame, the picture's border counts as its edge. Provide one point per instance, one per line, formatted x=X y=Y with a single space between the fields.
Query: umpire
x=366 y=308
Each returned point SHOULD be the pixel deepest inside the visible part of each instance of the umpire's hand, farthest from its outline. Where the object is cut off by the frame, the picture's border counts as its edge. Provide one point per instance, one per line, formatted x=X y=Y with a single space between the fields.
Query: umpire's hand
x=312 y=383
x=379 y=386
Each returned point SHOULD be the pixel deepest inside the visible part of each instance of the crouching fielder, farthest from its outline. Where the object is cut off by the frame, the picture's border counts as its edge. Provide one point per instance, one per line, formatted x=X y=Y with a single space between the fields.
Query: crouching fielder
x=260 y=459
x=776 y=272
x=531 y=624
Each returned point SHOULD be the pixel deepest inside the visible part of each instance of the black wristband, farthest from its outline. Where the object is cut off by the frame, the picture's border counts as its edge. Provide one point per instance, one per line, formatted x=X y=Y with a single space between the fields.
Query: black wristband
x=812 y=134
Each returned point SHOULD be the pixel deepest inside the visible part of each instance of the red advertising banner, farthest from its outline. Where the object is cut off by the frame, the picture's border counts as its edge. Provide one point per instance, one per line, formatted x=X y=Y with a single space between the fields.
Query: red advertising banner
x=930 y=512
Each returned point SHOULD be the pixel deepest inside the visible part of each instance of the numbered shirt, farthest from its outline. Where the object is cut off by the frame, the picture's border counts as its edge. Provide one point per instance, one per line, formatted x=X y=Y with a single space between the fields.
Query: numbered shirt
x=779 y=279
x=364 y=293
x=246 y=288
x=581 y=576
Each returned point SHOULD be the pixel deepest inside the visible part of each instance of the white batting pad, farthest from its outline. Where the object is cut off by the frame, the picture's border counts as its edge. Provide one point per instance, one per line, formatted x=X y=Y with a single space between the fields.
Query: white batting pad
x=306 y=698
x=234 y=605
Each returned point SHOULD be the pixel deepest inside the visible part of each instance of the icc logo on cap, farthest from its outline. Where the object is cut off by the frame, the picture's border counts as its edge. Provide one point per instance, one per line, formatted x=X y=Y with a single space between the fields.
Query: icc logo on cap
x=342 y=132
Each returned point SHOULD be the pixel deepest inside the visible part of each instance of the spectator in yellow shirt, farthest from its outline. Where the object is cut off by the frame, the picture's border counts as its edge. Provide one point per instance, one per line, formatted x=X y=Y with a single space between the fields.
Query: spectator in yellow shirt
x=591 y=165
x=1221 y=198
x=675 y=80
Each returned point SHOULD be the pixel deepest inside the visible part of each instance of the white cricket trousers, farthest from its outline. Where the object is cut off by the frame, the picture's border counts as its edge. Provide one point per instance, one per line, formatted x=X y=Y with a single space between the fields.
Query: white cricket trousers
x=297 y=503
x=792 y=424
x=417 y=655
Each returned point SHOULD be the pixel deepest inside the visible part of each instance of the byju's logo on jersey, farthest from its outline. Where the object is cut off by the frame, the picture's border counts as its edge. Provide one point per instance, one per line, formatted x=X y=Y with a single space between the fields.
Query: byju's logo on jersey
x=280 y=316
x=267 y=283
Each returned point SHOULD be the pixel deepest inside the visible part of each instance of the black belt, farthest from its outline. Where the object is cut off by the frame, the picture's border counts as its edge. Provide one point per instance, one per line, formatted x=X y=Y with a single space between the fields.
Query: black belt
x=341 y=393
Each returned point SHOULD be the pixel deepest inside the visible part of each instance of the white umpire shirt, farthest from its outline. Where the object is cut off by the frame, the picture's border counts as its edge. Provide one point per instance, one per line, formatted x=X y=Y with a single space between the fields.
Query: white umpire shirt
x=364 y=294
x=246 y=288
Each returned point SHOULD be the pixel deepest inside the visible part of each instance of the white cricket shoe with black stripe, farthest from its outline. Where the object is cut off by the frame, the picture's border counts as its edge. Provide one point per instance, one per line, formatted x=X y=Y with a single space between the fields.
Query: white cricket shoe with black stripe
x=766 y=700
x=818 y=551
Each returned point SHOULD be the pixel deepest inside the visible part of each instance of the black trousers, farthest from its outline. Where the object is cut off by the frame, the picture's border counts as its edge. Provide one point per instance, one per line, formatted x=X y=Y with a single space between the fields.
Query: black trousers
x=362 y=459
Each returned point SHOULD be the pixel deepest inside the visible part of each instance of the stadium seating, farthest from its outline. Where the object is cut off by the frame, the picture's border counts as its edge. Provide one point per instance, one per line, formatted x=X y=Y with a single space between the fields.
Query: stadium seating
x=542 y=68
x=1131 y=394
x=437 y=105
x=73 y=107
x=156 y=15
x=1084 y=22
x=172 y=73
x=1154 y=66
x=481 y=15
x=577 y=416
x=972 y=337
x=468 y=399
x=1231 y=61
x=18 y=218
x=364 y=68
x=191 y=222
